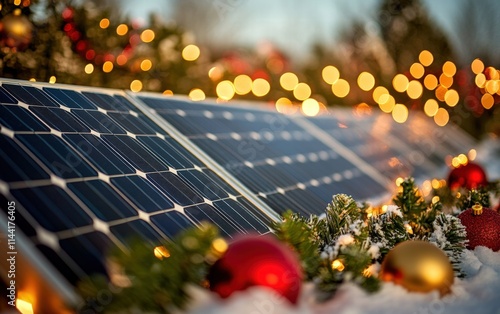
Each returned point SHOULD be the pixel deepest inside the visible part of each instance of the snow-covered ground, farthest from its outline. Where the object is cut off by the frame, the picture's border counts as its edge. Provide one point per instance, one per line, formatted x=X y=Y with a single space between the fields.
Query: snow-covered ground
x=478 y=293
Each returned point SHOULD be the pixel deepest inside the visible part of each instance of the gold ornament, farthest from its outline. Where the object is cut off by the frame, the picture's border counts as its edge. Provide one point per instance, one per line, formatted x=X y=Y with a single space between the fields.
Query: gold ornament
x=418 y=266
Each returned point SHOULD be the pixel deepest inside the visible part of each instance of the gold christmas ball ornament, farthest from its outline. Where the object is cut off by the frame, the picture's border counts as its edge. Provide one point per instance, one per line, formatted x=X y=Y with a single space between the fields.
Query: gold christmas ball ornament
x=418 y=266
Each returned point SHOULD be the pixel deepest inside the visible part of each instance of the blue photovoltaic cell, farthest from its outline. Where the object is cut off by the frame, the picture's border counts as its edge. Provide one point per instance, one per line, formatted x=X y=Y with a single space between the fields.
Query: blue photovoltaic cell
x=102 y=200
x=89 y=171
x=142 y=193
x=5 y=97
x=20 y=119
x=60 y=158
x=16 y=164
x=99 y=154
x=279 y=161
x=70 y=98
x=52 y=208
x=59 y=119
x=171 y=222
x=30 y=95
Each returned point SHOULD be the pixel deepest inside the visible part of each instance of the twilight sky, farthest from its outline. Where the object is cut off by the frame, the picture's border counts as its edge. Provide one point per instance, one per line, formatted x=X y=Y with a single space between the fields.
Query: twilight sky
x=294 y=25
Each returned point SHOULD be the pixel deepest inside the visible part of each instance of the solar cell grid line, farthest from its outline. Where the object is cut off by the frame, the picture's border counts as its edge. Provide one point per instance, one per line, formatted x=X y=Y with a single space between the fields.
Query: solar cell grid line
x=279 y=161
x=88 y=170
x=371 y=139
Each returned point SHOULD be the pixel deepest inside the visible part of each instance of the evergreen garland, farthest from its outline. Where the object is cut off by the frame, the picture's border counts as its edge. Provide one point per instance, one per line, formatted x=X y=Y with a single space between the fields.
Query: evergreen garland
x=345 y=244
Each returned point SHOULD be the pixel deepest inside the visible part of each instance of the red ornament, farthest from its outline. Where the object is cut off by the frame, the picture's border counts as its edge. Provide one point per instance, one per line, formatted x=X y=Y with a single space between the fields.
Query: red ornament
x=257 y=261
x=469 y=176
x=482 y=226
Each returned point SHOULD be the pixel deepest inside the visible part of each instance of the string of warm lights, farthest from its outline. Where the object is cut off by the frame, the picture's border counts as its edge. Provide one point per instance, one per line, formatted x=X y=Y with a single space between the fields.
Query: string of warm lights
x=421 y=86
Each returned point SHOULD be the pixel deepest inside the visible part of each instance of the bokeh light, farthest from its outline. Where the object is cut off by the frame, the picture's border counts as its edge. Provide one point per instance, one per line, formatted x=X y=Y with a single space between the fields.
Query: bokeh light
x=136 y=86
x=451 y=97
x=302 y=91
x=426 y=58
x=431 y=107
x=430 y=81
x=445 y=80
x=477 y=66
x=487 y=101
x=440 y=92
x=147 y=35
x=330 y=74
x=449 y=68
x=414 y=89
x=89 y=68
x=310 y=107
x=242 y=84
x=366 y=81
x=196 y=94
x=441 y=117
x=417 y=70
x=400 y=83
x=387 y=103
x=190 y=53
x=480 y=80
x=288 y=81
x=379 y=91
x=104 y=23
x=341 y=88
x=400 y=113
x=225 y=90
x=260 y=87
x=146 y=65
x=492 y=86
x=107 y=67
x=122 y=29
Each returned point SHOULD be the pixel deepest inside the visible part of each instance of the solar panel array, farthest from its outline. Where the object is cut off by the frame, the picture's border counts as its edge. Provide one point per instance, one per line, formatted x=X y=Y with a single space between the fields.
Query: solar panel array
x=90 y=168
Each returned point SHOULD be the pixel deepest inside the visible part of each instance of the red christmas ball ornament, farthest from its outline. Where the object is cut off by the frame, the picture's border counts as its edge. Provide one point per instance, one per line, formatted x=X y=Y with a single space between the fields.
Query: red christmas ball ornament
x=469 y=176
x=257 y=261
x=482 y=226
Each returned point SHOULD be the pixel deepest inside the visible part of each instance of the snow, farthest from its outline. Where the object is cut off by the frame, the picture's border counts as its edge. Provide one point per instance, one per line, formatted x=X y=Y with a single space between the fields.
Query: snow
x=478 y=293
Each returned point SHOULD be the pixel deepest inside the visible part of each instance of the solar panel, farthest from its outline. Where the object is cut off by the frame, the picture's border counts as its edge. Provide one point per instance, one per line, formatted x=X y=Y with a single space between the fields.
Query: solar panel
x=417 y=148
x=279 y=160
x=89 y=170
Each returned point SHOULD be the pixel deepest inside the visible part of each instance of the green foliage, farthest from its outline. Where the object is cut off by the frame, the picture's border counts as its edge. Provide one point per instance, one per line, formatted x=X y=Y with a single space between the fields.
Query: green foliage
x=350 y=241
x=469 y=199
x=153 y=284
x=299 y=234
x=449 y=234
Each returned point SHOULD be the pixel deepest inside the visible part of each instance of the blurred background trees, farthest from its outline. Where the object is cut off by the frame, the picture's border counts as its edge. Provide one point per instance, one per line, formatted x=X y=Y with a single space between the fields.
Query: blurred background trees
x=283 y=53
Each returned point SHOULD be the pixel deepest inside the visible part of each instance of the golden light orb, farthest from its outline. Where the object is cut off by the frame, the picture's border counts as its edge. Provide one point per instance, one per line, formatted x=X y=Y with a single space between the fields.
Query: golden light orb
x=341 y=88
x=449 y=68
x=417 y=70
x=400 y=83
x=426 y=58
x=146 y=65
x=400 y=113
x=431 y=107
x=196 y=94
x=260 y=87
x=330 y=74
x=242 y=84
x=190 y=52
x=136 y=86
x=378 y=92
x=122 y=29
x=414 y=89
x=430 y=81
x=310 y=107
x=225 y=90
x=477 y=66
x=147 y=35
x=451 y=97
x=289 y=81
x=302 y=91
x=366 y=81
x=442 y=117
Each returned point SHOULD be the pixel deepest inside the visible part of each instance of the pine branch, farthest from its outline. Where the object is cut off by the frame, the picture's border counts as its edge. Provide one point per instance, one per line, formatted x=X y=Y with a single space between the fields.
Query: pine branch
x=340 y=214
x=469 y=199
x=449 y=234
x=302 y=236
x=154 y=284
